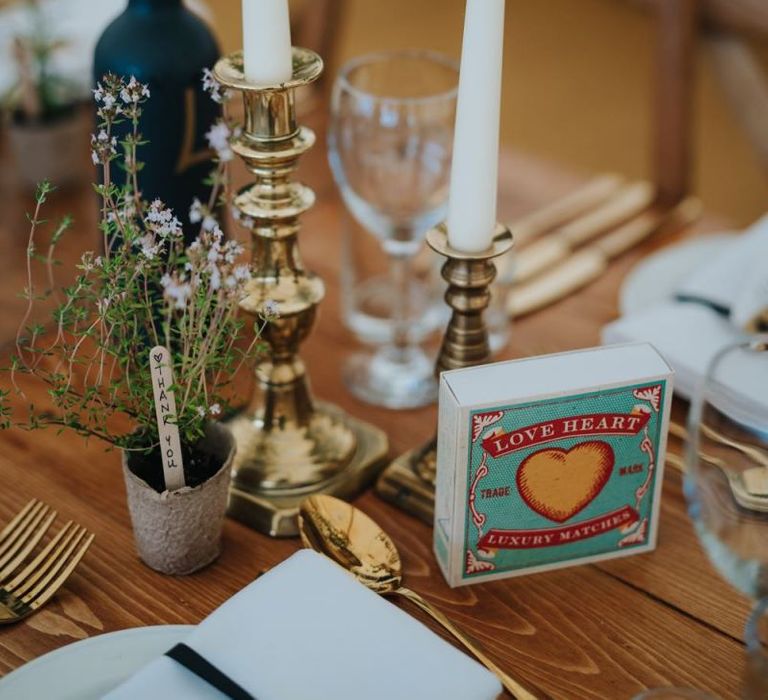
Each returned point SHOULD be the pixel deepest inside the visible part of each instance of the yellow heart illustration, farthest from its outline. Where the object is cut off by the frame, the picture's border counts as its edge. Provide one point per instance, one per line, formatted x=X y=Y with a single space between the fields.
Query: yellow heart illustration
x=559 y=483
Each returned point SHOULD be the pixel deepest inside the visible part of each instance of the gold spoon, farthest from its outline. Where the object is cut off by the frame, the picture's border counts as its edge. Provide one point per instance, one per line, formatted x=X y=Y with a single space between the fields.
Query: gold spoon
x=350 y=538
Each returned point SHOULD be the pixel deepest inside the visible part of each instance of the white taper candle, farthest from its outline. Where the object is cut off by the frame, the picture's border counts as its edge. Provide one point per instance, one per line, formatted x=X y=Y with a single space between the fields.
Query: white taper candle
x=474 y=171
x=266 y=42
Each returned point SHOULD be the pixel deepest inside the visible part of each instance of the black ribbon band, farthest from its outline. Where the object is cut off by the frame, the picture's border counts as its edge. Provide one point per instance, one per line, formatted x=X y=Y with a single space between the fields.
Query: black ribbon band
x=717 y=308
x=192 y=661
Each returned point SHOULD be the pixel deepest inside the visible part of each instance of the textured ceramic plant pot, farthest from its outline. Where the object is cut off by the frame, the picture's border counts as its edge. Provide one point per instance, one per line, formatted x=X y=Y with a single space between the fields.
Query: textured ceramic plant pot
x=51 y=151
x=178 y=532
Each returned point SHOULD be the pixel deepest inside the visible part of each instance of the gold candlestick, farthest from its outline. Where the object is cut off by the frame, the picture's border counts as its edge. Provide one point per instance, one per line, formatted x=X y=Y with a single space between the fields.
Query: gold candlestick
x=409 y=481
x=288 y=446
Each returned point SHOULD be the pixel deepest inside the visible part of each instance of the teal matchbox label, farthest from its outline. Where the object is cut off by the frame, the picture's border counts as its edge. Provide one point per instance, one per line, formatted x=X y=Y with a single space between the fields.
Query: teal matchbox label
x=564 y=479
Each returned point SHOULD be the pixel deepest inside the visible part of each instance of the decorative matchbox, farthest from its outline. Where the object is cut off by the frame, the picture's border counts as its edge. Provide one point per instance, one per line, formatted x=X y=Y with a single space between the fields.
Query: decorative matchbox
x=550 y=461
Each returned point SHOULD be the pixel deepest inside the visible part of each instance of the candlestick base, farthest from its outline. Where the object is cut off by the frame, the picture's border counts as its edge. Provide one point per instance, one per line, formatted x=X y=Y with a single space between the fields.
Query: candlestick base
x=403 y=484
x=275 y=511
x=409 y=481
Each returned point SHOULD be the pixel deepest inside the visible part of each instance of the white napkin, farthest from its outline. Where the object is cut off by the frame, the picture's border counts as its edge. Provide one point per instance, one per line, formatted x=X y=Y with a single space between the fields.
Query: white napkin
x=306 y=630
x=689 y=336
x=690 y=329
x=749 y=309
x=736 y=280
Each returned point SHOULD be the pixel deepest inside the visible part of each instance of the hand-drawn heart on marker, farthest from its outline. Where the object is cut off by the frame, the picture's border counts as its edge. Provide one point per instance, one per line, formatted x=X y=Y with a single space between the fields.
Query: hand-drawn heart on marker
x=559 y=483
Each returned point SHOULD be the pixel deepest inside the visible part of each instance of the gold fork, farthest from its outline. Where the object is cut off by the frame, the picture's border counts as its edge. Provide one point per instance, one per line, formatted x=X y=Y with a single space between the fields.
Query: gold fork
x=41 y=578
x=19 y=537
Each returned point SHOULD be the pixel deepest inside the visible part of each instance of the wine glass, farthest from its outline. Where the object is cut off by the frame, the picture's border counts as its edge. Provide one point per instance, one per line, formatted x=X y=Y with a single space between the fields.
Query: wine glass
x=389 y=146
x=726 y=484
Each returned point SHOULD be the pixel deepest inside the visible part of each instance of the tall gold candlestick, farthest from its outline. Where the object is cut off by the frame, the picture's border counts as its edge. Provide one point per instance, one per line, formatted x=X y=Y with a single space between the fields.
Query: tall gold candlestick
x=409 y=481
x=288 y=446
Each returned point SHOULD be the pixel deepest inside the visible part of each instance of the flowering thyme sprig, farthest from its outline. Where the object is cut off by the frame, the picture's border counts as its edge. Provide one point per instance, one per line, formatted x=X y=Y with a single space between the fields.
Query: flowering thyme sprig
x=219 y=138
x=214 y=88
x=199 y=213
x=144 y=288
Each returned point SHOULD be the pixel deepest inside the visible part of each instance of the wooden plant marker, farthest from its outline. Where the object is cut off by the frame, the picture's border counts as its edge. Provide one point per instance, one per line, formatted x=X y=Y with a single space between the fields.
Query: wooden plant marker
x=165 y=411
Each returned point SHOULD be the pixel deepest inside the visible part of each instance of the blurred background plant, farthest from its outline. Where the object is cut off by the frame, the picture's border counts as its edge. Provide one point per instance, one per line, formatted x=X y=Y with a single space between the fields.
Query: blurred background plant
x=40 y=100
x=41 y=93
x=46 y=71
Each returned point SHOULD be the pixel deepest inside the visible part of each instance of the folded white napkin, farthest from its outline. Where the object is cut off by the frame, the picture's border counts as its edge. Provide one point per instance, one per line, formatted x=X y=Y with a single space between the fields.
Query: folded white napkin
x=749 y=309
x=689 y=336
x=735 y=281
x=722 y=302
x=306 y=630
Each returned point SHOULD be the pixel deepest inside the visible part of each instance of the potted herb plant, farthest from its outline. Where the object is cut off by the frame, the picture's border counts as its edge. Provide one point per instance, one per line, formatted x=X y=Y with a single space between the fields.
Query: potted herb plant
x=47 y=127
x=142 y=290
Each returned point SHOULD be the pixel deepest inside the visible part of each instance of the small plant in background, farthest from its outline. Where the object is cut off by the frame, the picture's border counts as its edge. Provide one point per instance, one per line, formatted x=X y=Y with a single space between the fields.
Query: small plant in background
x=41 y=95
x=144 y=288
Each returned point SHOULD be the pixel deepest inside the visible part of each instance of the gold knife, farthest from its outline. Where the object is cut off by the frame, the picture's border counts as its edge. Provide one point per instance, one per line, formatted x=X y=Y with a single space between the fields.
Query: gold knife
x=561 y=211
x=546 y=252
x=588 y=264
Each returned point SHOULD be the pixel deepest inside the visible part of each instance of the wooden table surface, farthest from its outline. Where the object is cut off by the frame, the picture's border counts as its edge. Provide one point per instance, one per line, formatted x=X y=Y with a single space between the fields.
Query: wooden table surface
x=598 y=631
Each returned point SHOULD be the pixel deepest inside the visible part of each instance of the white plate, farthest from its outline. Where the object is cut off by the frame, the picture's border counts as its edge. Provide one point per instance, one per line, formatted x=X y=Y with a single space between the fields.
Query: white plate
x=656 y=278
x=88 y=669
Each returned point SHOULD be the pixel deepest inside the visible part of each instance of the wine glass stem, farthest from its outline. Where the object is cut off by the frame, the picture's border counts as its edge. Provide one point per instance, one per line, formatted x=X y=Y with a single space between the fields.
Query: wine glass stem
x=400 y=272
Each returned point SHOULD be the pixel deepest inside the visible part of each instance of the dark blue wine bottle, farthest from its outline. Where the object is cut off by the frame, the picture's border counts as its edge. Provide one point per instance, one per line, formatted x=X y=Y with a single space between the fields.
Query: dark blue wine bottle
x=162 y=43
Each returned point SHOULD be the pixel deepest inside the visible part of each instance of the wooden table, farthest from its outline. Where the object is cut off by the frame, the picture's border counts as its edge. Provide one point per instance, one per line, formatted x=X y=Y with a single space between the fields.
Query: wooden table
x=598 y=631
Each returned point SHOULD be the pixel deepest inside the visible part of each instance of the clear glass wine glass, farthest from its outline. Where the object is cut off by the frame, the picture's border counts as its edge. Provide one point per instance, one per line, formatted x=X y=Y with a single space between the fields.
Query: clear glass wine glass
x=389 y=145
x=726 y=484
